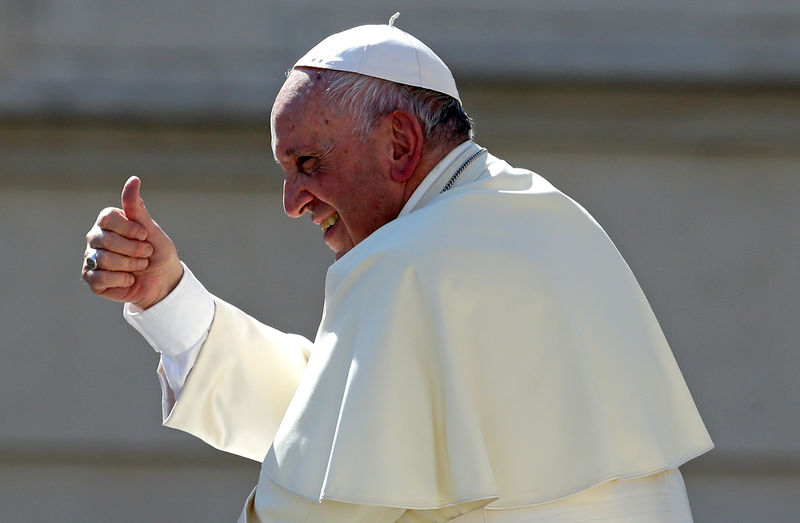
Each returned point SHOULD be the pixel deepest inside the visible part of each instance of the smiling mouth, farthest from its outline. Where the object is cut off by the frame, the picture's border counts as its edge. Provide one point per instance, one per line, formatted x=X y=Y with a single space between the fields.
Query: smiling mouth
x=329 y=221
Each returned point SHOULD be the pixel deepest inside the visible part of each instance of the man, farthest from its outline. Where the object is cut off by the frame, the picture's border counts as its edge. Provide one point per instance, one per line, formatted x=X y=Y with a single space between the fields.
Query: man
x=484 y=353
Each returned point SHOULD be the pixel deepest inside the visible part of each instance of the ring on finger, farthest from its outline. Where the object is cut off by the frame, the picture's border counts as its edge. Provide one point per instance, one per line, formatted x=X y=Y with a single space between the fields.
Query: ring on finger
x=91 y=261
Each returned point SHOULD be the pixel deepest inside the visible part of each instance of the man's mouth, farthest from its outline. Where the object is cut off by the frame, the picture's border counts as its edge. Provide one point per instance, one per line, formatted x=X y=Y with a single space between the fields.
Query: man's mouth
x=329 y=221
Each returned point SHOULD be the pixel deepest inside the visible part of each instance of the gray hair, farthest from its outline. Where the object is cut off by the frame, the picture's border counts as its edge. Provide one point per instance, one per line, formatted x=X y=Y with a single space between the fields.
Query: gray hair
x=368 y=99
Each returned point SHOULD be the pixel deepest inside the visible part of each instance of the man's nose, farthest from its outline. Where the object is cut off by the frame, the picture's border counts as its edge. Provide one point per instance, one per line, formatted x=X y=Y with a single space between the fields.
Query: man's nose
x=295 y=199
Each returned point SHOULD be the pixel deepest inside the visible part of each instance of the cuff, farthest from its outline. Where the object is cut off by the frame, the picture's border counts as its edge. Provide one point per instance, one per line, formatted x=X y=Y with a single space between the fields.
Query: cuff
x=179 y=321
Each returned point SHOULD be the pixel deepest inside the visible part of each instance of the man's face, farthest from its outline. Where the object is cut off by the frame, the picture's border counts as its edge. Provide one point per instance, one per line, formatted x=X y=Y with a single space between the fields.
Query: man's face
x=342 y=181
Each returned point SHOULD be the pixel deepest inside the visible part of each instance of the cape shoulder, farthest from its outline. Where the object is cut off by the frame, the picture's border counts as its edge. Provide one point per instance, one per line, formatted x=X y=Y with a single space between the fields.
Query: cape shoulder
x=493 y=344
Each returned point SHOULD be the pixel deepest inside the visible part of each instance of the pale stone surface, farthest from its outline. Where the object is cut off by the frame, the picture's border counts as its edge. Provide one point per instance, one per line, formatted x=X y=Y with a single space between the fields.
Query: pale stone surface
x=204 y=59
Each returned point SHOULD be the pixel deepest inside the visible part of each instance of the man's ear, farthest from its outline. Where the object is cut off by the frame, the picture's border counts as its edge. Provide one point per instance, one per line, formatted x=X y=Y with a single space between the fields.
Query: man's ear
x=407 y=141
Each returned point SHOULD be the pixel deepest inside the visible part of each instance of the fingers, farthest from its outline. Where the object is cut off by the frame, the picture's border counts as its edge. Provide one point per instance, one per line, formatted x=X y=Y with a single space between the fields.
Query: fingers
x=108 y=240
x=136 y=261
x=120 y=239
x=120 y=250
x=111 y=261
x=101 y=281
x=113 y=219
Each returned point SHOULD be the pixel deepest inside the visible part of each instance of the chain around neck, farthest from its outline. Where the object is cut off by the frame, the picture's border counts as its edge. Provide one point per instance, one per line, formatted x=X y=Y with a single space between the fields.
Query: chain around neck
x=452 y=180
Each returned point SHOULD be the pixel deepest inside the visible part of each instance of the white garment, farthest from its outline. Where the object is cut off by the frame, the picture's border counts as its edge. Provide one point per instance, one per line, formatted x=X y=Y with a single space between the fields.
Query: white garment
x=177 y=326
x=626 y=413
x=493 y=344
x=169 y=327
x=658 y=498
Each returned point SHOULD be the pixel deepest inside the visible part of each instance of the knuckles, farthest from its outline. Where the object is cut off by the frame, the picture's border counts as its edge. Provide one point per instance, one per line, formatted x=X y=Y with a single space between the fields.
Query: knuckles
x=92 y=279
x=119 y=253
x=93 y=234
x=143 y=250
x=107 y=215
x=97 y=238
x=96 y=289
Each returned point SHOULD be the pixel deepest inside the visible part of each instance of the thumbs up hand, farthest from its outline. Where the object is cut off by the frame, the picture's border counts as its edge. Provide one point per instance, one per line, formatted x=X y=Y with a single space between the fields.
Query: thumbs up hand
x=136 y=261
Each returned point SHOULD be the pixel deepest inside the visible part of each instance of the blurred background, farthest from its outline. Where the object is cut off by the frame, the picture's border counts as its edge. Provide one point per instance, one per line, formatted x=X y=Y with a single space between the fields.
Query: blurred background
x=676 y=123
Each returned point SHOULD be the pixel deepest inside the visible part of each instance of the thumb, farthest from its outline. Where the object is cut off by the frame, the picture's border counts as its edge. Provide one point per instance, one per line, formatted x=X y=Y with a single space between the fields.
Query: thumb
x=133 y=205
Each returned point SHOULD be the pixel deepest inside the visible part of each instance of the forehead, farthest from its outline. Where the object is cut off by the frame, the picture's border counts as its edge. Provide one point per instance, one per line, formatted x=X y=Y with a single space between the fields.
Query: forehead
x=298 y=97
x=301 y=119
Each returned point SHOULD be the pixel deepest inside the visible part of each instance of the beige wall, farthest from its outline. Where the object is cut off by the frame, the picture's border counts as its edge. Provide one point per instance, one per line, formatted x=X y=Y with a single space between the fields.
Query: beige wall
x=697 y=184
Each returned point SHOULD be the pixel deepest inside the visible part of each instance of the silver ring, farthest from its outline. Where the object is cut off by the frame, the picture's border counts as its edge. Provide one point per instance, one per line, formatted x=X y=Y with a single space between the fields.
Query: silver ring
x=91 y=261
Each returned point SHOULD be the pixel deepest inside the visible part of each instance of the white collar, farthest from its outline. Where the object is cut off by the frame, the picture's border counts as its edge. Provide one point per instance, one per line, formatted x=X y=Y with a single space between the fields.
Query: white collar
x=435 y=173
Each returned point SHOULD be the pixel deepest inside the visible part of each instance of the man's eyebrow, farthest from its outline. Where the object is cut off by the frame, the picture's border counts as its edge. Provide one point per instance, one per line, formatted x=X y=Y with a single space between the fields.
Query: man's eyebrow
x=289 y=152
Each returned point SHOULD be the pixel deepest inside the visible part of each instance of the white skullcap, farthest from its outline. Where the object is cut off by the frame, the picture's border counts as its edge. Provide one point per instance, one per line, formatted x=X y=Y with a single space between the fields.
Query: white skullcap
x=386 y=52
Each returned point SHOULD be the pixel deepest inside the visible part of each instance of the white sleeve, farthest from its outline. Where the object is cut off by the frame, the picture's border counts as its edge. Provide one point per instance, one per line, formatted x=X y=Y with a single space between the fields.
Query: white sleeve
x=176 y=327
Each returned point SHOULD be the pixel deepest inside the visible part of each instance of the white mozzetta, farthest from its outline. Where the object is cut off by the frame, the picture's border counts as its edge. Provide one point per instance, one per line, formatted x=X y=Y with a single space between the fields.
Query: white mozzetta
x=492 y=344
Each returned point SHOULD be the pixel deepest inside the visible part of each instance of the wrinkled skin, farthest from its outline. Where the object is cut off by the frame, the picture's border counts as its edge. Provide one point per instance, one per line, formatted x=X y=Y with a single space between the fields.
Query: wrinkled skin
x=328 y=170
x=137 y=262
x=350 y=186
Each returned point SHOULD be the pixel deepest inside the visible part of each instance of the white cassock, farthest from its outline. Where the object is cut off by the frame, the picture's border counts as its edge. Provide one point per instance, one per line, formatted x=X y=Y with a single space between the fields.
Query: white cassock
x=489 y=349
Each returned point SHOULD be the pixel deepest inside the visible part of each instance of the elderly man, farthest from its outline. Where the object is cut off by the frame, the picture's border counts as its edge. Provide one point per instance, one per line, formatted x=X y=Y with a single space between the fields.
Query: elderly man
x=484 y=352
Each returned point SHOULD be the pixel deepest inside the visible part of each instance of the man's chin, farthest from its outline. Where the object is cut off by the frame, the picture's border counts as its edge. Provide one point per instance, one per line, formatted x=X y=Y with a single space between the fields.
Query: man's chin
x=340 y=246
x=340 y=249
x=339 y=252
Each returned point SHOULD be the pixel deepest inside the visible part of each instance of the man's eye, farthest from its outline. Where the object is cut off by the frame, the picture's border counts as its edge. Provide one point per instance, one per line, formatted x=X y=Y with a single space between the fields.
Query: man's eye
x=307 y=164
